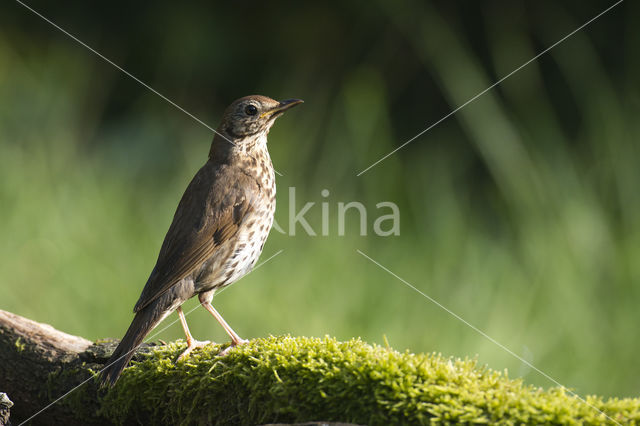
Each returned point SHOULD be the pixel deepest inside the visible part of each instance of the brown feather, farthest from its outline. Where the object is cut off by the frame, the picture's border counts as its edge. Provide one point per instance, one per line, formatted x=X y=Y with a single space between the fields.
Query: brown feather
x=197 y=229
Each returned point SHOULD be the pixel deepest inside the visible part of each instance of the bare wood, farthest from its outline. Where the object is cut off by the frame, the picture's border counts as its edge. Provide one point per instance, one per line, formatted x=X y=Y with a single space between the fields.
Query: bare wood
x=33 y=360
x=54 y=343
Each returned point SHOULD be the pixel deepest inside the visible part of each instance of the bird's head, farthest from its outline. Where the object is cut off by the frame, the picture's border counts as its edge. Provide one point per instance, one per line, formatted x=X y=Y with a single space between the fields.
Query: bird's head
x=245 y=124
x=253 y=115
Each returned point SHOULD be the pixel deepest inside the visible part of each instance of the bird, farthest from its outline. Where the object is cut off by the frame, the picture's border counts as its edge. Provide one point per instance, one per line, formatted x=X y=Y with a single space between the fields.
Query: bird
x=218 y=230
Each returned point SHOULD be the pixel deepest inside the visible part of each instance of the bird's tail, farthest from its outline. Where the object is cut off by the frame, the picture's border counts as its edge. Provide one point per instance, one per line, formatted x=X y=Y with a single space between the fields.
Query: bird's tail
x=144 y=321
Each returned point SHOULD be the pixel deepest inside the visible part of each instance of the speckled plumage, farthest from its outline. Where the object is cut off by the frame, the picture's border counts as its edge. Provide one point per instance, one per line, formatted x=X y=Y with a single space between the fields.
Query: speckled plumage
x=219 y=228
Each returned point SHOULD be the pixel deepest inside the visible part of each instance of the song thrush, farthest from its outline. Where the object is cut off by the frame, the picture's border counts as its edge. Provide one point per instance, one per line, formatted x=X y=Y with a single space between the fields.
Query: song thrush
x=218 y=230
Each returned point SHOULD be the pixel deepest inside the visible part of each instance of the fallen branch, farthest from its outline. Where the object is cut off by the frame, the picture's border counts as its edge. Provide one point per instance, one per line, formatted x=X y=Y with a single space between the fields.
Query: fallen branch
x=32 y=355
x=274 y=380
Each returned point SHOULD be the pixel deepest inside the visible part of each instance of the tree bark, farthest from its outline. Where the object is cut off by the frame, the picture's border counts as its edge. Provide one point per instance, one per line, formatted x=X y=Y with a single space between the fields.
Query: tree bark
x=5 y=409
x=34 y=358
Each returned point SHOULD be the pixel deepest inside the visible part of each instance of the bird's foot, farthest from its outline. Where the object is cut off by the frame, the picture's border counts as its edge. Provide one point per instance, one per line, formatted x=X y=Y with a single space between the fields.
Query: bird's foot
x=194 y=344
x=225 y=352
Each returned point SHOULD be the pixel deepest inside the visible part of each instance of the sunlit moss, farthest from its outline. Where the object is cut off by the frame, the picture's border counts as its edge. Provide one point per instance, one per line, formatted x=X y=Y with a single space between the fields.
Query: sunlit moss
x=294 y=379
x=20 y=345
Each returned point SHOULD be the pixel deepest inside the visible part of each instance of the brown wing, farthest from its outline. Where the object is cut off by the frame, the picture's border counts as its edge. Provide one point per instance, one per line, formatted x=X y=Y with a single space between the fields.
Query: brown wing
x=210 y=212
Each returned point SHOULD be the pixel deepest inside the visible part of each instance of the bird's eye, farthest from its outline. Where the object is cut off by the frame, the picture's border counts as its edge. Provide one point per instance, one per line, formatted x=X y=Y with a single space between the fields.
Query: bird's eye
x=251 y=110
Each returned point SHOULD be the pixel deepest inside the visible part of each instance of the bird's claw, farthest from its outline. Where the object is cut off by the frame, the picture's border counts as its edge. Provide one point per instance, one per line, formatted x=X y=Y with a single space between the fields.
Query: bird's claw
x=225 y=352
x=194 y=344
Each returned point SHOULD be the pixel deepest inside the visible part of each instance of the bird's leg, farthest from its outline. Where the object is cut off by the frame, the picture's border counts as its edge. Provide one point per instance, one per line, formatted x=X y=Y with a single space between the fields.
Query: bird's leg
x=191 y=342
x=235 y=339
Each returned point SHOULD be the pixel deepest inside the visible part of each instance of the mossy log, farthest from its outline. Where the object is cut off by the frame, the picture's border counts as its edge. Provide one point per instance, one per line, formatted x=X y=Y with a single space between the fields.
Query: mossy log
x=33 y=356
x=40 y=365
x=274 y=380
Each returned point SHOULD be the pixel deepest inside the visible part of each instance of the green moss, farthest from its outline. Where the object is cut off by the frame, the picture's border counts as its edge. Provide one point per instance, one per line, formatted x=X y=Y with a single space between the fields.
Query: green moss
x=83 y=401
x=20 y=345
x=287 y=379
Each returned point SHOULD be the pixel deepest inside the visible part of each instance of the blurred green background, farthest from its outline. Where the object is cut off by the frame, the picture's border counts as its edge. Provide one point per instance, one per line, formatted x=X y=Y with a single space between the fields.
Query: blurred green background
x=520 y=213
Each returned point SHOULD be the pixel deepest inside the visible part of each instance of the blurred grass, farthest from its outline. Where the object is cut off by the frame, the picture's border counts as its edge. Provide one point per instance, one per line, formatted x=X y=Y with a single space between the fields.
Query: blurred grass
x=521 y=221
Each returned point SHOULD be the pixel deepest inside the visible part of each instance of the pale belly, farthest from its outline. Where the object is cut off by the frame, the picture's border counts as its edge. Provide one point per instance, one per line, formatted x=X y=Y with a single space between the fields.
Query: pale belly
x=247 y=251
x=238 y=256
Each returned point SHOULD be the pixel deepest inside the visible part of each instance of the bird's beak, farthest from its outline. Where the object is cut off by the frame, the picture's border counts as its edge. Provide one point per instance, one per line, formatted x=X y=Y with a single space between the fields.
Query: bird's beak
x=283 y=106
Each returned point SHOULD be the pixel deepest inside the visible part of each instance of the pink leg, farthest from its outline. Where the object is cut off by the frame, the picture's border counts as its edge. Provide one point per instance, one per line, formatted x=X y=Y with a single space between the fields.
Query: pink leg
x=191 y=342
x=235 y=339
